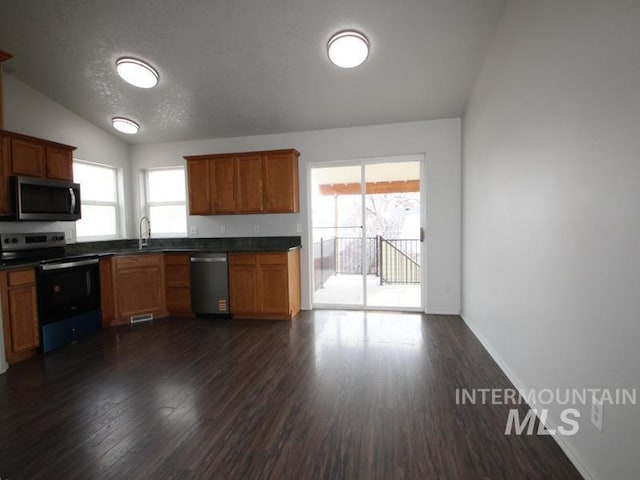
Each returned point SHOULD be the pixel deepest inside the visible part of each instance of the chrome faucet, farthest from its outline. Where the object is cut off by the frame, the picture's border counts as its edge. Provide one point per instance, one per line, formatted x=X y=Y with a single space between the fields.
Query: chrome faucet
x=143 y=241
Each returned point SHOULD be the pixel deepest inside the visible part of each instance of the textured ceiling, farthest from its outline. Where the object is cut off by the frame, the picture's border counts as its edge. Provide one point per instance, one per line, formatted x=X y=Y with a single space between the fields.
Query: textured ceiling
x=234 y=68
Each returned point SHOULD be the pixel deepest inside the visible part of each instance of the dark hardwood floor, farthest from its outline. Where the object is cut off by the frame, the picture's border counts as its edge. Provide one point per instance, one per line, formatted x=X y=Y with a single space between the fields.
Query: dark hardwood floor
x=331 y=395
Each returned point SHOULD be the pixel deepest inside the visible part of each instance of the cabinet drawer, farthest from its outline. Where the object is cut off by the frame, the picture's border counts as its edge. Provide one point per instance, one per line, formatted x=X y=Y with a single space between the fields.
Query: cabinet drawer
x=176 y=258
x=242 y=259
x=132 y=261
x=272 y=259
x=21 y=277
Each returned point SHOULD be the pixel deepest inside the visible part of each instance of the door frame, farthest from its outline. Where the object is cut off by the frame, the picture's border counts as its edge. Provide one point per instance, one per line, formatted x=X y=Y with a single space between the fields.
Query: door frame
x=362 y=162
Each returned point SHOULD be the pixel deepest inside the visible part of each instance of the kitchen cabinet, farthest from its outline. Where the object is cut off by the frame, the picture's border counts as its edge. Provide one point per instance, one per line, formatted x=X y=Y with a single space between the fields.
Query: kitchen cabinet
x=33 y=157
x=265 y=285
x=178 y=283
x=243 y=282
x=243 y=183
x=59 y=163
x=20 y=314
x=198 y=173
x=280 y=180
x=28 y=158
x=134 y=285
x=248 y=183
x=223 y=192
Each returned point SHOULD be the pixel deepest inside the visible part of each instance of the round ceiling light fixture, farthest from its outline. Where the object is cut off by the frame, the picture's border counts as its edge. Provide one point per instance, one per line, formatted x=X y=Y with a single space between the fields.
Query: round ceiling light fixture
x=348 y=49
x=125 y=125
x=137 y=73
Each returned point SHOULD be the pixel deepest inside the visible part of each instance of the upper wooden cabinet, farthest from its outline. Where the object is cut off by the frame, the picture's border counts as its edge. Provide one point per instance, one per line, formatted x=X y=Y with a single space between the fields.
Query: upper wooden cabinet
x=280 y=177
x=27 y=158
x=33 y=157
x=253 y=182
x=59 y=163
x=249 y=183
x=222 y=186
x=198 y=172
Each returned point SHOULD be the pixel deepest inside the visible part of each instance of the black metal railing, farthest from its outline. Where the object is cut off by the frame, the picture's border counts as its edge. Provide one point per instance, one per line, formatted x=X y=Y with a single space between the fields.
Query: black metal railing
x=399 y=261
x=395 y=261
x=350 y=256
x=324 y=261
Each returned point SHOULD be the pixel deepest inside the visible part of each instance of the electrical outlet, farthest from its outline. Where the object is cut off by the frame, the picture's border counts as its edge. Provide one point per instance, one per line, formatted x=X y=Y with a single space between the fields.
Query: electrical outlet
x=193 y=230
x=597 y=412
x=223 y=229
x=256 y=228
x=299 y=227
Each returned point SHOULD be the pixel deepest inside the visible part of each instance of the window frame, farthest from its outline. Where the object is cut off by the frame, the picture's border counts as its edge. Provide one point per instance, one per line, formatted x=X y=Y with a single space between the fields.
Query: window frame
x=148 y=203
x=116 y=204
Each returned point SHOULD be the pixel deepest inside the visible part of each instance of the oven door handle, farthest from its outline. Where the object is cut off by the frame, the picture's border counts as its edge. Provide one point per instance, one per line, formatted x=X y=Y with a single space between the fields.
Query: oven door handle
x=60 y=266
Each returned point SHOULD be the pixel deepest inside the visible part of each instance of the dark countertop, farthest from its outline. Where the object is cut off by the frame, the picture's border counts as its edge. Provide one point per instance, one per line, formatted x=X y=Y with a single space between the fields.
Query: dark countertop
x=168 y=245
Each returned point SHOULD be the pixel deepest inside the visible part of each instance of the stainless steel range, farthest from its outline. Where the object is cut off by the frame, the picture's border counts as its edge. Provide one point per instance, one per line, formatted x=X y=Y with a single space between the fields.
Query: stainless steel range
x=68 y=287
x=21 y=247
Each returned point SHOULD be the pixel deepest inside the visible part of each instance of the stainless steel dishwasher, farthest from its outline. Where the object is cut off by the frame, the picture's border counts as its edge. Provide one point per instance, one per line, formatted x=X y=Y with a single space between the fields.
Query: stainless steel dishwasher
x=209 y=283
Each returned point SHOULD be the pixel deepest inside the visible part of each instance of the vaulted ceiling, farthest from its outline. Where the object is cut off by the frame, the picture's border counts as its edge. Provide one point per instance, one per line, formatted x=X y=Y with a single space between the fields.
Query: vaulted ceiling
x=241 y=67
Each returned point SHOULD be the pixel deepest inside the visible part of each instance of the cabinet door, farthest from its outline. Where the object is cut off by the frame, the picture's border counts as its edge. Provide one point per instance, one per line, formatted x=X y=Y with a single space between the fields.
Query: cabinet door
x=243 y=283
x=5 y=171
x=199 y=187
x=281 y=183
x=179 y=301
x=59 y=164
x=140 y=290
x=27 y=158
x=249 y=195
x=177 y=281
x=177 y=269
x=273 y=283
x=23 y=316
x=223 y=181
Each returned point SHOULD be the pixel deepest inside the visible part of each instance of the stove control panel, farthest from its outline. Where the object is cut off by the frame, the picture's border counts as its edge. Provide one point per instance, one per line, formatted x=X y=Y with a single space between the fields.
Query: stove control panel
x=30 y=241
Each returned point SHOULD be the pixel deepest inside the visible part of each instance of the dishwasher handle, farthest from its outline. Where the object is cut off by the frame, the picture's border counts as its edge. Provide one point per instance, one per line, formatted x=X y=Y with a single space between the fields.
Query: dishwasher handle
x=208 y=260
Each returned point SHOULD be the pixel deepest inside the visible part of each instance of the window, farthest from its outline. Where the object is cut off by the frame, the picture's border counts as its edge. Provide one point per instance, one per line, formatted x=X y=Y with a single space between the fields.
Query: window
x=99 y=194
x=166 y=201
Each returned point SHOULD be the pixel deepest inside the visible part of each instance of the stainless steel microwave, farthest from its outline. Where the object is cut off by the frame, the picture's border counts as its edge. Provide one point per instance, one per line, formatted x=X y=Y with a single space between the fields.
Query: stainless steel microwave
x=44 y=199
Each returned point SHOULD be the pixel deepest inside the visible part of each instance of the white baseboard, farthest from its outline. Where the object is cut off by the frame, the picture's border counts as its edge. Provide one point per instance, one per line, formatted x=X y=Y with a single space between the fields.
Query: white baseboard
x=566 y=448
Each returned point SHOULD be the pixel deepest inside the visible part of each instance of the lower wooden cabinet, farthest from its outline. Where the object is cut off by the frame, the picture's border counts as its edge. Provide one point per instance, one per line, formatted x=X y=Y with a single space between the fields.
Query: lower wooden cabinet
x=132 y=285
x=265 y=285
x=20 y=314
x=178 y=282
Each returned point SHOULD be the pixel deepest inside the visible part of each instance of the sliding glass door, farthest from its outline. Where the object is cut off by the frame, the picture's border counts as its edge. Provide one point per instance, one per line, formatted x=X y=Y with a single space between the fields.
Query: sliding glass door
x=367 y=224
x=337 y=236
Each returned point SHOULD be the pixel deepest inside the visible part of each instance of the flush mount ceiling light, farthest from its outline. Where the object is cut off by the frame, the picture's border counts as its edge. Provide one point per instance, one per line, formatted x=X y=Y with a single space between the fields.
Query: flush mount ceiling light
x=125 y=125
x=348 y=49
x=137 y=72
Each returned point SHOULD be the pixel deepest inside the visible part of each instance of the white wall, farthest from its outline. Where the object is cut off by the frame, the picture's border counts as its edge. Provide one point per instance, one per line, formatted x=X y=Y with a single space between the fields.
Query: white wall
x=438 y=140
x=29 y=112
x=551 y=231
